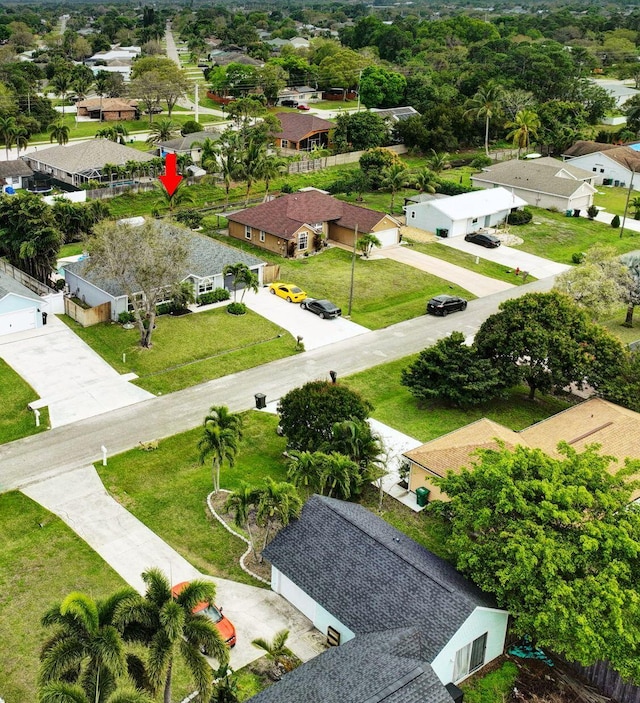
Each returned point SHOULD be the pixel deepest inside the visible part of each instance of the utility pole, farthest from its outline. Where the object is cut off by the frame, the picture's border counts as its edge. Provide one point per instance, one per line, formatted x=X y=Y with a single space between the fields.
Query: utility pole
x=197 y=111
x=359 y=79
x=353 y=267
x=626 y=205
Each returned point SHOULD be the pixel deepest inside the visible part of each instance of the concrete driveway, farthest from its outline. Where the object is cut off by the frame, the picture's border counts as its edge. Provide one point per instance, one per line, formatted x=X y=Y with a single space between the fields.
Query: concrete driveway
x=79 y=498
x=70 y=378
x=509 y=257
x=291 y=317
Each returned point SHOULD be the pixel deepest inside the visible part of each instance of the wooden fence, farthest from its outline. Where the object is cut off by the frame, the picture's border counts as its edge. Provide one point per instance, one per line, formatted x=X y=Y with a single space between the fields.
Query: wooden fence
x=609 y=682
x=87 y=316
x=271 y=273
x=27 y=281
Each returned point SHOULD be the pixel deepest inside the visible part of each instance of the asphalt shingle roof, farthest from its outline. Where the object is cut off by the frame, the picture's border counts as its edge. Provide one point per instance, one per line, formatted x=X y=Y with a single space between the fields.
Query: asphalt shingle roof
x=383 y=666
x=10 y=285
x=207 y=257
x=285 y=215
x=185 y=143
x=15 y=167
x=623 y=155
x=84 y=156
x=371 y=576
x=296 y=126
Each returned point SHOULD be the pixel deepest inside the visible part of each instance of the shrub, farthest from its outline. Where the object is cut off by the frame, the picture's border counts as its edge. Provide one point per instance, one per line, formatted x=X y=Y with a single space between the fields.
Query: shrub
x=191 y=126
x=190 y=218
x=215 y=296
x=126 y=317
x=451 y=188
x=481 y=161
x=236 y=308
x=578 y=257
x=615 y=222
x=286 y=188
x=163 y=308
x=592 y=211
x=519 y=217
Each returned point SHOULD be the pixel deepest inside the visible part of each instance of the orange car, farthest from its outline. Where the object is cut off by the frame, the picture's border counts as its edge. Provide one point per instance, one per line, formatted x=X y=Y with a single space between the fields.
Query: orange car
x=224 y=625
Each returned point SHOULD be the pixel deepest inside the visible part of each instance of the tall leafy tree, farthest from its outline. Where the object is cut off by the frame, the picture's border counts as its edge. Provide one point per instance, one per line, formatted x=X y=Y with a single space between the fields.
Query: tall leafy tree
x=632 y=293
x=220 y=440
x=167 y=625
x=486 y=104
x=557 y=541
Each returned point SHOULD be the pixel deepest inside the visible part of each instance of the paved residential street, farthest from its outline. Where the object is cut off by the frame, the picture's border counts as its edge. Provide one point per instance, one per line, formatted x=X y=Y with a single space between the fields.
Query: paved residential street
x=78 y=444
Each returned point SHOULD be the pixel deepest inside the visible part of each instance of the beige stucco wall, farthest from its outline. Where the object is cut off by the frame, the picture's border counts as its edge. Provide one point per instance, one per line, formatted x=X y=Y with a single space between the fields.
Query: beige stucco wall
x=420 y=477
x=278 y=245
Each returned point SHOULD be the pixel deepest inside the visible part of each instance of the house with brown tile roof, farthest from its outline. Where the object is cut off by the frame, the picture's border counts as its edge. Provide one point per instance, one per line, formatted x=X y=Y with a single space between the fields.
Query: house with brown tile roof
x=295 y=224
x=302 y=132
x=108 y=109
x=610 y=164
x=614 y=428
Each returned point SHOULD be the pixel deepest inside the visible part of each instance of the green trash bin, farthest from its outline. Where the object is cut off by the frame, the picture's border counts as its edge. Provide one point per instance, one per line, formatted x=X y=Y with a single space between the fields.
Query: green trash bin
x=422 y=496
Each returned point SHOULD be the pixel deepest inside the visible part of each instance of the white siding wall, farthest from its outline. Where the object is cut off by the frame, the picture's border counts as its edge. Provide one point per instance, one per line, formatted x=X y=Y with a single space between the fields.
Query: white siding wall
x=604 y=168
x=482 y=620
x=18 y=313
x=92 y=295
x=307 y=606
x=423 y=216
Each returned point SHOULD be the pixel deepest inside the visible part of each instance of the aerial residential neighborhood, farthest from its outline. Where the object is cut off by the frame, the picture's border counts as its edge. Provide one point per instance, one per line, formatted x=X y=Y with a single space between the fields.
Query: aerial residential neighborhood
x=319 y=353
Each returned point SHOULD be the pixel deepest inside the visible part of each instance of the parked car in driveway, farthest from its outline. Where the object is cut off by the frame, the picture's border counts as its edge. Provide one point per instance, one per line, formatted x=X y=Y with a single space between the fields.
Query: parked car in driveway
x=289 y=291
x=489 y=241
x=303 y=107
x=444 y=304
x=224 y=626
x=324 y=308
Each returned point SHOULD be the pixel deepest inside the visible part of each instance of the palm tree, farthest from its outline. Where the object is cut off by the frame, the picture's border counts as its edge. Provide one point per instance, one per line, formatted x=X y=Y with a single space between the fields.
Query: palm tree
x=486 y=104
x=354 y=439
x=394 y=178
x=366 y=243
x=635 y=206
x=275 y=650
x=251 y=163
x=167 y=625
x=243 y=503
x=59 y=132
x=8 y=128
x=438 y=161
x=101 y=86
x=162 y=130
x=306 y=469
x=279 y=503
x=86 y=649
x=341 y=476
x=208 y=154
x=425 y=180
x=241 y=276
x=525 y=125
x=180 y=196
x=61 y=83
x=21 y=137
x=222 y=433
x=271 y=167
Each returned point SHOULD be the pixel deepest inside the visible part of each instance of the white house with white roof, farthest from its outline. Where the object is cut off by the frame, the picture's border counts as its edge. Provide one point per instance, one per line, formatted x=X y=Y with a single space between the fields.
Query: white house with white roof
x=461 y=214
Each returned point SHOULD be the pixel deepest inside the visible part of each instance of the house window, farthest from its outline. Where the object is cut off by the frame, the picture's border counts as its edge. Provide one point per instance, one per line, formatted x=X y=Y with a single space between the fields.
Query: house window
x=413 y=213
x=247 y=232
x=303 y=240
x=470 y=658
x=285 y=143
x=601 y=170
x=474 y=221
x=262 y=235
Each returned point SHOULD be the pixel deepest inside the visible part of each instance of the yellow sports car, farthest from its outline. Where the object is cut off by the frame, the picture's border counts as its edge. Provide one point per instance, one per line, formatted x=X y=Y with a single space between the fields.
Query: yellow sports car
x=288 y=291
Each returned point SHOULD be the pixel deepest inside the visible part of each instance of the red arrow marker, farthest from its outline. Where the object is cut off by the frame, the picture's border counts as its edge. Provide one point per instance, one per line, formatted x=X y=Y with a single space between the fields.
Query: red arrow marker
x=171 y=179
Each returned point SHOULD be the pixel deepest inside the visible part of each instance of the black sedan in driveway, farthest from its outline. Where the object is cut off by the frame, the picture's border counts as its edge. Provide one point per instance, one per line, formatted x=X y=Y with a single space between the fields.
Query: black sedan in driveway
x=444 y=304
x=324 y=308
x=489 y=241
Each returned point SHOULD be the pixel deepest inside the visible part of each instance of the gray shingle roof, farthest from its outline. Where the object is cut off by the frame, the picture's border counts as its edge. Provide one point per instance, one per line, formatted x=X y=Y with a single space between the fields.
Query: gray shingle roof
x=185 y=143
x=383 y=666
x=15 y=167
x=84 y=156
x=207 y=257
x=10 y=285
x=372 y=577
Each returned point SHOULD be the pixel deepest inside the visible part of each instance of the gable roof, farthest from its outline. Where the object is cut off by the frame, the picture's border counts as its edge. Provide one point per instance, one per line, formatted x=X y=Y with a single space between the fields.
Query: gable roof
x=206 y=257
x=108 y=104
x=296 y=126
x=477 y=203
x=14 y=167
x=371 y=576
x=383 y=666
x=541 y=176
x=623 y=155
x=84 y=156
x=185 y=143
x=583 y=146
x=9 y=285
x=285 y=215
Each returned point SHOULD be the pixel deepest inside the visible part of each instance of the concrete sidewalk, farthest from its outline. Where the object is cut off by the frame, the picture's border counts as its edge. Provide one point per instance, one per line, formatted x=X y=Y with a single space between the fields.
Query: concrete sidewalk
x=474 y=282
x=129 y=547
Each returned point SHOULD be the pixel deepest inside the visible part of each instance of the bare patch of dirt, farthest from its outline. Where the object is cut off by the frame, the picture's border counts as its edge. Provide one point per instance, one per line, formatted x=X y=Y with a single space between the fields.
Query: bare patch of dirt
x=539 y=683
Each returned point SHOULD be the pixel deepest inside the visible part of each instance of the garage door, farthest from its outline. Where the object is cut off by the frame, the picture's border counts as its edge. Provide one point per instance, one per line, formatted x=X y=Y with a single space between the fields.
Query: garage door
x=387 y=237
x=18 y=321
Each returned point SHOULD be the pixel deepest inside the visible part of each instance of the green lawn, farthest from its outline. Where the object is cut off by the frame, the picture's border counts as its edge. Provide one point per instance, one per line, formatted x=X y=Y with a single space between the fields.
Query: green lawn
x=16 y=420
x=395 y=406
x=167 y=488
x=72 y=249
x=615 y=326
x=613 y=199
x=468 y=261
x=41 y=561
x=190 y=349
x=378 y=299
x=555 y=236
x=494 y=687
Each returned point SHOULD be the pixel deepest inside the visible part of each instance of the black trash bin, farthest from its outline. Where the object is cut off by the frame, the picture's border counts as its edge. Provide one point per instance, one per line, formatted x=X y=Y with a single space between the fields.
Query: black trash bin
x=261 y=401
x=44 y=318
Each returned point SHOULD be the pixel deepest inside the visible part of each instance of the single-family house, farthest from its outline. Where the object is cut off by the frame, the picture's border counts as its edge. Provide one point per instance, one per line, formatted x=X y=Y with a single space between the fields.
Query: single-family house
x=118 y=59
x=595 y=421
x=395 y=114
x=302 y=132
x=300 y=93
x=189 y=144
x=619 y=92
x=609 y=163
x=204 y=270
x=20 y=308
x=544 y=182
x=75 y=164
x=294 y=225
x=362 y=582
x=14 y=174
x=392 y=662
x=465 y=213
x=108 y=109
x=223 y=57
